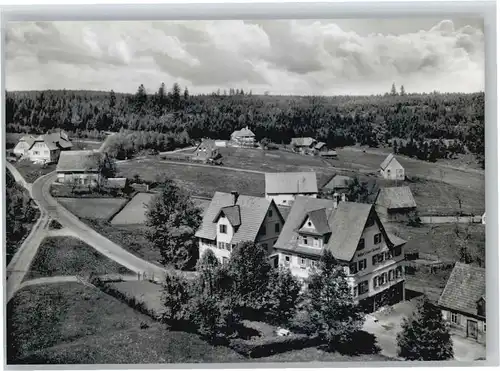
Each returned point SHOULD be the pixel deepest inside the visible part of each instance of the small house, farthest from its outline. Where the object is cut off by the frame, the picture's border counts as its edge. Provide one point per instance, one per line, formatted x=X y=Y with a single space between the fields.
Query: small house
x=321 y=147
x=231 y=218
x=392 y=169
x=206 y=150
x=43 y=148
x=394 y=204
x=304 y=144
x=284 y=187
x=463 y=303
x=244 y=137
x=337 y=183
x=86 y=168
x=373 y=259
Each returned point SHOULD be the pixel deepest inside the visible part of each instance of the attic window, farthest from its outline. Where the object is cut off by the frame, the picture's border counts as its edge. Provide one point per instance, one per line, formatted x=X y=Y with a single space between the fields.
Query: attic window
x=309 y=224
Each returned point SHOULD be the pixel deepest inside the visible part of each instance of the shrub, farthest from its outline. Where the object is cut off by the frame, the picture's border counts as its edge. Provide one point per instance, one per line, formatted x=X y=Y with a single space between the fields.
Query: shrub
x=414 y=219
x=54 y=224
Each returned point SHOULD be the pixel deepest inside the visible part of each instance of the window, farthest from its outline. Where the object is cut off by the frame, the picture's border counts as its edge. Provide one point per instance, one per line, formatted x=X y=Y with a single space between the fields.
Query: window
x=353 y=268
x=399 y=272
x=363 y=287
x=355 y=291
x=387 y=255
x=263 y=230
x=287 y=260
x=396 y=251
x=309 y=224
x=362 y=264
x=391 y=275
x=377 y=258
x=383 y=278
x=484 y=326
x=361 y=244
x=455 y=318
x=305 y=241
x=220 y=245
x=377 y=238
x=270 y=213
x=223 y=228
x=277 y=227
x=375 y=282
x=303 y=262
x=36 y=152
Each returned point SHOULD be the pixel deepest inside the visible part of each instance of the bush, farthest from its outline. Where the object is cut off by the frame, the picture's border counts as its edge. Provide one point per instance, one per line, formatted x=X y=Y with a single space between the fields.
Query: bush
x=414 y=219
x=54 y=224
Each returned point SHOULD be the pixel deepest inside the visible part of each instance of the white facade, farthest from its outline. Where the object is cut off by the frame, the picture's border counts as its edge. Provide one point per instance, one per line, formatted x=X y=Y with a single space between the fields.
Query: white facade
x=366 y=275
x=21 y=148
x=393 y=171
x=85 y=179
x=287 y=199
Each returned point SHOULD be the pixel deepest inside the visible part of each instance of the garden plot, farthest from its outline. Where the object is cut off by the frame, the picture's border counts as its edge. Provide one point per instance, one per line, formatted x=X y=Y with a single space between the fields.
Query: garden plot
x=92 y=208
x=135 y=211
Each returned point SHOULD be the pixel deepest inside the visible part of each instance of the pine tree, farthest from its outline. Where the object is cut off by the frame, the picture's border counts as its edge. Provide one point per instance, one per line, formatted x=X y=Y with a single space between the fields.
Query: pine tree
x=172 y=220
x=112 y=99
x=395 y=146
x=176 y=96
x=186 y=94
x=393 y=90
x=402 y=91
x=424 y=335
x=140 y=99
x=331 y=305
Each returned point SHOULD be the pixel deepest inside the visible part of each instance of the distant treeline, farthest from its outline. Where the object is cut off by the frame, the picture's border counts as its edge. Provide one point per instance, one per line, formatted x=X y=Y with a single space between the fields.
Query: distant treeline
x=338 y=121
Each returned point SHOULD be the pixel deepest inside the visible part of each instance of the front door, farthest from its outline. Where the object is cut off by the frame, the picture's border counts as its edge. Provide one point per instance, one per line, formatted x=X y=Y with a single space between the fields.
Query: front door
x=471 y=329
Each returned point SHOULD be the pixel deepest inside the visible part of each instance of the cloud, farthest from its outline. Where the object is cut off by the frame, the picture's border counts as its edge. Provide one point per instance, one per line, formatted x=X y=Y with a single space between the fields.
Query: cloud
x=283 y=57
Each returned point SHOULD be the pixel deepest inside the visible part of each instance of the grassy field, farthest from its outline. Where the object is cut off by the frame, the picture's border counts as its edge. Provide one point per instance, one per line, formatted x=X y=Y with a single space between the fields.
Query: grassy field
x=131 y=237
x=134 y=211
x=71 y=323
x=63 y=256
x=441 y=239
x=95 y=208
x=31 y=171
x=198 y=181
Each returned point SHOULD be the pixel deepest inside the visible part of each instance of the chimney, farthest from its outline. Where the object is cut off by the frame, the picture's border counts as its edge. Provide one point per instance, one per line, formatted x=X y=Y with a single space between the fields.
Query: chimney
x=235 y=197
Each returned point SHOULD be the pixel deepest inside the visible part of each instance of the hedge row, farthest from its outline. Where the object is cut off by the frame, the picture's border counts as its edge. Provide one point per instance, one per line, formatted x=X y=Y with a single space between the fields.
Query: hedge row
x=263 y=347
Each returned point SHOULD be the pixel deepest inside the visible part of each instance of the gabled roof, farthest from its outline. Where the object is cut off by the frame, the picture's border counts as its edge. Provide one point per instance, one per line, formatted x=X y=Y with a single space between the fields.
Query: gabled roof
x=232 y=213
x=319 y=219
x=303 y=141
x=284 y=210
x=466 y=285
x=52 y=140
x=390 y=158
x=395 y=198
x=245 y=132
x=87 y=160
x=253 y=211
x=320 y=145
x=338 y=182
x=346 y=223
x=28 y=139
x=291 y=183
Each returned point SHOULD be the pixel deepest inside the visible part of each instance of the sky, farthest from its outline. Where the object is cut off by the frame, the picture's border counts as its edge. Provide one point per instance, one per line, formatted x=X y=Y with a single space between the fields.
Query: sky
x=297 y=57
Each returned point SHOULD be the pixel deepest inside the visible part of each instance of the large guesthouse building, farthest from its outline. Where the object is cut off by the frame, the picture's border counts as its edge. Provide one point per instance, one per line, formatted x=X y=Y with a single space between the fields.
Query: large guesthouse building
x=231 y=218
x=373 y=259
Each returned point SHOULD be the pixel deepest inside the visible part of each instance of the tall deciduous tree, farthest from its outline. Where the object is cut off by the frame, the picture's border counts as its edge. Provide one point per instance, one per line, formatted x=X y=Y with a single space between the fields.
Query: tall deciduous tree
x=357 y=191
x=331 y=306
x=424 y=335
x=172 y=221
x=283 y=293
x=249 y=269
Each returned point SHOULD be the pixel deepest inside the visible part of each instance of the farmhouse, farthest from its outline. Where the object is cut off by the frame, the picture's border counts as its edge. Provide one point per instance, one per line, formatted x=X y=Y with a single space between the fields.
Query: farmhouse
x=231 y=218
x=463 y=302
x=303 y=145
x=43 y=148
x=337 y=183
x=393 y=204
x=82 y=167
x=244 y=137
x=284 y=187
x=392 y=169
x=372 y=258
x=206 y=150
x=321 y=147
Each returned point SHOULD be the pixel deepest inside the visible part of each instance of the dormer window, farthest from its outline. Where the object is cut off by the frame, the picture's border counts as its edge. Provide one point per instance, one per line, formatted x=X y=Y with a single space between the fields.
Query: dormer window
x=223 y=229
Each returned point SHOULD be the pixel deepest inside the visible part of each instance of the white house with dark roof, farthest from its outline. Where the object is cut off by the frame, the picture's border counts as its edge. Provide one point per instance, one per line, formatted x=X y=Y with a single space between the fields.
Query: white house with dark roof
x=394 y=203
x=337 y=183
x=43 y=148
x=244 y=137
x=206 y=150
x=390 y=168
x=231 y=218
x=353 y=233
x=463 y=303
x=283 y=188
x=82 y=167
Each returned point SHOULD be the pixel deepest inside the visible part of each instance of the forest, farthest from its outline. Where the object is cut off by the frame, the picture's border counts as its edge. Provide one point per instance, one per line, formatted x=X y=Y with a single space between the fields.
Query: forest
x=419 y=125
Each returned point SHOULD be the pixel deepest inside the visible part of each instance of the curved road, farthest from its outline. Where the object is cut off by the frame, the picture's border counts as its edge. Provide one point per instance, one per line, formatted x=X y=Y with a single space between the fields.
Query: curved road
x=41 y=193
